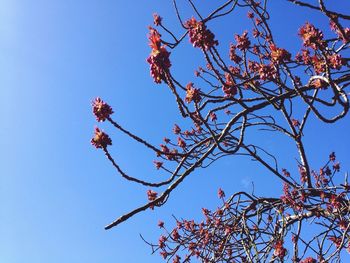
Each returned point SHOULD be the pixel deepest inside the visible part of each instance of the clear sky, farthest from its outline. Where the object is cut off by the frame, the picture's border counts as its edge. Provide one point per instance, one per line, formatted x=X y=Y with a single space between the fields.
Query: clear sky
x=57 y=192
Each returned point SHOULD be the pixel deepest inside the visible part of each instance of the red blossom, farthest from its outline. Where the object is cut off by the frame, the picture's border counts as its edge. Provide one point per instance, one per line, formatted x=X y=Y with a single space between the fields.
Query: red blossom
x=161 y=224
x=101 y=110
x=266 y=72
x=308 y=260
x=199 y=35
x=159 y=58
x=335 y=61
x=233 y=56
x=176 y=129
x=336 y=167
x=192 y=94
x=157 y=20
x=151 y=195
x=164 y=148
x=243 y=42
x=303 y=174
x=181 y=142
x=304 y=56
x=158 y=164
x=279 y=55
x=250 y=15
x=280 y=251
x=295 y=123
x=176 y=259
x=221 y=193
x=336 y=241
x=285 y=172
x=346 y=37
x=161 y=241
x=319 y=84
x=230 y=88
x=100 y=139
x=258 y=21
x=213 y=116
x=175 y=234
x=312 y=36
x=319 y=64
x=343 y=224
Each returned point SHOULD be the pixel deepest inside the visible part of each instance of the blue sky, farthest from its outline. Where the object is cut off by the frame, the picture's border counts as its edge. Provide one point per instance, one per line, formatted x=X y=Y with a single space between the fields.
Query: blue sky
x=57 y=192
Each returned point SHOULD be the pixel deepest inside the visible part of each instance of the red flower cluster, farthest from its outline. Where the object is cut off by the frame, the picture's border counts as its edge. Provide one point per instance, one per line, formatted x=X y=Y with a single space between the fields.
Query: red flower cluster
x=101 y=139
x=346 y=36
x=319 y=84
x=312 y=36
x=221 y=193
x=279 y=55
x=101 y=109
x=266 y=72
x=176 y=129
x=159 y=58
x=295 y=122
x=192 y=94
x=280 y=251
x=308 y=260
x=243 y=42
x=336 y=61
x=181 y=142
x=292 y=198
x=233 y=56
x=213 y=116
x=166 y=151
x=304 y=56
x=319 y=64
x=158 y=164
x=151 y=195
x=199 y=35
x=230 y=88
x=157 y=20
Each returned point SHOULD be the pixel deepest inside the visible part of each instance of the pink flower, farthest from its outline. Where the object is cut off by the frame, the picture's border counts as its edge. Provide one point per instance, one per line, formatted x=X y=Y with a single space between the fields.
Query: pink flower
x=295 y=123
x=243 y=42
x=160 y=224
x=279 y=55
x=176 y=129
x=101 y=110
x=151 y=197
x=159 y=58
x=230 y=88
x=308 y=260
x=158 y=164
x=192 y=94
x=233 y=56
x=181 y=142
x=280 y=251
x=157 y=20
x=311 y=36
x=336 y=61
x=266 y=72
x=199 y=35
x=213 y=116
x=221 y=193
x=101 y=139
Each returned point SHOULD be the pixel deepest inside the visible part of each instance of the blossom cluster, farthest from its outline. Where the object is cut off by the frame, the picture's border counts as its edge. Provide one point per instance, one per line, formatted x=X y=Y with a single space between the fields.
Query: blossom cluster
x=159 y=58
x=200 y=36
x=101 y=109
x=100 y=139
